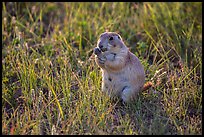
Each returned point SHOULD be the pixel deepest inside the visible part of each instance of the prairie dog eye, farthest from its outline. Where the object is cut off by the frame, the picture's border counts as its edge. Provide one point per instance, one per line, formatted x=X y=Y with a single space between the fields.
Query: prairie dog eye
x=119 y=38
x=111 y=38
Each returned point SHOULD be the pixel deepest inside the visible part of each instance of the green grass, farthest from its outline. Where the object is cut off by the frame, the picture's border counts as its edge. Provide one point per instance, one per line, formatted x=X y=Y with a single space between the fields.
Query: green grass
x=51 y=85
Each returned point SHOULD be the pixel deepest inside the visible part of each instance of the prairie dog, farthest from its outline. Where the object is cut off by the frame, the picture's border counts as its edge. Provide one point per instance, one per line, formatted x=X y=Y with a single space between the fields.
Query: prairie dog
x=122 y=73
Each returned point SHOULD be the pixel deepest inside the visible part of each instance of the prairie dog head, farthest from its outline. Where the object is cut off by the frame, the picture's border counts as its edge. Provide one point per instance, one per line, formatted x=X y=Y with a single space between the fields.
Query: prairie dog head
x=110 y=41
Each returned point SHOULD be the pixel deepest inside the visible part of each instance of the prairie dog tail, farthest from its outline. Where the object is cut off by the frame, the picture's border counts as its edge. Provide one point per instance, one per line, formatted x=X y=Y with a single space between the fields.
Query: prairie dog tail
x=147 y=86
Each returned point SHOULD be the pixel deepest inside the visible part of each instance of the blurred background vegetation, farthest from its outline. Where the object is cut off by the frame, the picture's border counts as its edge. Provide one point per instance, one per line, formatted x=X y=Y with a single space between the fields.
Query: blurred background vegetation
x=49 y=78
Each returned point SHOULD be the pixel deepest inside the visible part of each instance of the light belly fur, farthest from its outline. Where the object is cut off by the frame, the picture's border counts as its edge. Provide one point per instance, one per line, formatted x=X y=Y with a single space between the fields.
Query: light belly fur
x=114 y=83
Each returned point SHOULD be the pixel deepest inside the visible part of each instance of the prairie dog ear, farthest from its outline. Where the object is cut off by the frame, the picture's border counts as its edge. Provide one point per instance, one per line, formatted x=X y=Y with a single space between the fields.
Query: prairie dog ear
x=102 y=34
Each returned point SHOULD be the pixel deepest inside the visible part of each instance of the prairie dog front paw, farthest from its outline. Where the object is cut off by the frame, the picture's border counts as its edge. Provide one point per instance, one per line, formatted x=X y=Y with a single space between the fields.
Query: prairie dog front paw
x=100 y=56
x=97 y=51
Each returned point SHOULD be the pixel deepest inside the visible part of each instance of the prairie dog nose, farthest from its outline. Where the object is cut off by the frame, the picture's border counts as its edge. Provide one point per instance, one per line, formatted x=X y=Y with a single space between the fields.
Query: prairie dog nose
x=102 y=47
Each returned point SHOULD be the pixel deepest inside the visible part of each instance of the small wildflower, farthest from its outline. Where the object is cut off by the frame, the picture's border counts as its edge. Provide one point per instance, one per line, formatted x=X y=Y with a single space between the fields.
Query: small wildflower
x=154 y=91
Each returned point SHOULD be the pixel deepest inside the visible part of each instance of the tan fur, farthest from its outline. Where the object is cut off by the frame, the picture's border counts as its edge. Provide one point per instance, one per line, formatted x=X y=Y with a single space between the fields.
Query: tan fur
x=122 y=73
